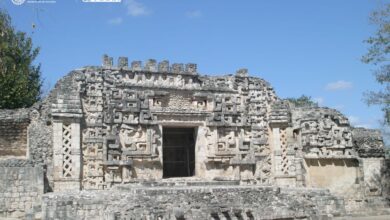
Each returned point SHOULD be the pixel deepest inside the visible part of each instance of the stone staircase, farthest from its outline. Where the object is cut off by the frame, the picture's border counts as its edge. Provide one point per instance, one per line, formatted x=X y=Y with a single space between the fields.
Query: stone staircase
x=193 y=199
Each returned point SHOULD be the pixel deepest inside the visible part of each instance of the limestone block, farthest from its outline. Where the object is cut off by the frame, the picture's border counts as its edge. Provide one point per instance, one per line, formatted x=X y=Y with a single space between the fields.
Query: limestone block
x=123 y=62
x=151 y=65
x=163 y=66
x=136 y=65
x=177 y=68
x=107 y=61
x=191 y=68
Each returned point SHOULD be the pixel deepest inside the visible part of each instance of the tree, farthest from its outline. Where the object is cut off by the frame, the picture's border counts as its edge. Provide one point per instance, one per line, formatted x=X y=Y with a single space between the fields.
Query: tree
x=378 y=55
x=303 y=101
x=20 y=79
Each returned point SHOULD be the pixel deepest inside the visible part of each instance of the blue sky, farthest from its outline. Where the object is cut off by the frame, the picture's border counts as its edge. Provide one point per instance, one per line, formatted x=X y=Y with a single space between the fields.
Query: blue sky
x=300 y=47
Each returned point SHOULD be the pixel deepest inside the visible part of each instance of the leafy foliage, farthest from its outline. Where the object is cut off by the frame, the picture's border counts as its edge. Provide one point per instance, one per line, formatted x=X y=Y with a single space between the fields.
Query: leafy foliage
x=378 y=55
x=302 y=101
x=20 y=80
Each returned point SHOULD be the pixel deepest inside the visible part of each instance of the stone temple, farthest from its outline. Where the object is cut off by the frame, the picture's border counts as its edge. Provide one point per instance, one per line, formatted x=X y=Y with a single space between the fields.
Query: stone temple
x=160 y=141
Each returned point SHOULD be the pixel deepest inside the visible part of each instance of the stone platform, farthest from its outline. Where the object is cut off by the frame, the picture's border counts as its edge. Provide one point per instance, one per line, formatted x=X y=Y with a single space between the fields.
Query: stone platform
x=193 y=200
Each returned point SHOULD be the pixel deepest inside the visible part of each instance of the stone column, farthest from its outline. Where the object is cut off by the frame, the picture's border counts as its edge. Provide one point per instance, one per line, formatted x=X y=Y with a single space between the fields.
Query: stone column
x=372 y=176
x=66 y=153
x=276 y=150
x=76 y=150
x=284 y=161
x=283 y=157
x=57 y=150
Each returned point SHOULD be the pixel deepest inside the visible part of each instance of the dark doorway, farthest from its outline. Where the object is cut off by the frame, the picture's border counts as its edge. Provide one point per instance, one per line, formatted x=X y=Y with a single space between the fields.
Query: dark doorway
x=178 y=152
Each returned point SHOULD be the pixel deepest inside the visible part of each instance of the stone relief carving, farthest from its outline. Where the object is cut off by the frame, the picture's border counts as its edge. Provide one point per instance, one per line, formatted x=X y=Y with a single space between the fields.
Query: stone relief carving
x=368 y=142
x=125 y=108
x=103 y=126
x=324 y=133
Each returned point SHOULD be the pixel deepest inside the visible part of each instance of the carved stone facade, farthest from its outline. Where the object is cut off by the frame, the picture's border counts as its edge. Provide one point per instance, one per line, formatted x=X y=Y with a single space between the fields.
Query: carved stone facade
x=125 y=111
x=103 y=127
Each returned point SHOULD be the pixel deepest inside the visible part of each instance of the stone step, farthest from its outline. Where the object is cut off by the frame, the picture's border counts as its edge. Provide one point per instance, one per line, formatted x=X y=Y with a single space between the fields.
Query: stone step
x=190 y=202
x=371 y=217
x=178 y=184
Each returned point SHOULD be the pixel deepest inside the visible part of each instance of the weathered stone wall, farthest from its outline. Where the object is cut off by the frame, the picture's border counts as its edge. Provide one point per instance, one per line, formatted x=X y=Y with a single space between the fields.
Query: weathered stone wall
x=195 y=202
x=25 y=155
x=21 y=184
x=368 y=143
x=21 y=189
x=27 y=134
x=385 y=176
x=40 y=138
x=13 y=133
x=340 y=176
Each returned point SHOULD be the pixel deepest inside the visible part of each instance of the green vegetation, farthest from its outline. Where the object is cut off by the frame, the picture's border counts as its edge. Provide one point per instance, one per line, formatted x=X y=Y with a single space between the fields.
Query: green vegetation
x=302 y=101
x=378 y=55
x=20 y=79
